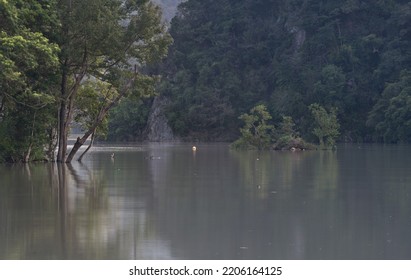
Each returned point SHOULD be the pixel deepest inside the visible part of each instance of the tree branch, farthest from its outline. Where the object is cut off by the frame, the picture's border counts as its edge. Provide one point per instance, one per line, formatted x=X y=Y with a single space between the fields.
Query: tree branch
x=100 y=117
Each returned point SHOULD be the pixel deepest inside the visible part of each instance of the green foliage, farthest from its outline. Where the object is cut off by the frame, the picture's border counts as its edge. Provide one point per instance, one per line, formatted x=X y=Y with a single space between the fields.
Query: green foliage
x=106 y=38
x=256 y=133
x=47 y=51
x=27 y=57
x=25 y=135
x=109 y=41
x=391 y=116
x=227 y=56
x=287 y=54
x=288 y=138
x=217 y=66
x=28 y=78
x=326 y=126
x=287 y=127
x=330 y=88
x=93 y=97
x=128 y=120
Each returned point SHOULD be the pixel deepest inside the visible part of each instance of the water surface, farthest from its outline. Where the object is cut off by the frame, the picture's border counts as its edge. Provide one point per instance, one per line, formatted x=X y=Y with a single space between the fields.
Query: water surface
x=164 y=201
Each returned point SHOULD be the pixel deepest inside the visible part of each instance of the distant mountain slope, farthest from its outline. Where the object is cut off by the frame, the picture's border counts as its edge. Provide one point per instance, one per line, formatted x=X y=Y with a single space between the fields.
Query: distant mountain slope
x=230 y=55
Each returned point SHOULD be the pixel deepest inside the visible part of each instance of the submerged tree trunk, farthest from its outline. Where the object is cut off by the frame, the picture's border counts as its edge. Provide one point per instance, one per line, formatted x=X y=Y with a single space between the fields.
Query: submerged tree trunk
x=89 y=146
x=62 y=128
x=62 y=139
x=52 y=145
x=26 y=158
x=77 y=146
x=82 y=140
x=98 y=120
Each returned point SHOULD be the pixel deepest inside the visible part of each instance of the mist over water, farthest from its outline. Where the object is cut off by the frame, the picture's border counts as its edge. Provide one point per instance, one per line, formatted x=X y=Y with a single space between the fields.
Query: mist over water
x=164 y=201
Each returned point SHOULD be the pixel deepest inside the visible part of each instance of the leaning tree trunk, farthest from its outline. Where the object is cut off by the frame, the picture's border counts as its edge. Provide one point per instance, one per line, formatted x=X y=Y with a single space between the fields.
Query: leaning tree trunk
x=89 y=146
x=62 y=128
x=92 y=129
x=102 y=114
x=97 y=122
x=62 y=132
x=77 y=145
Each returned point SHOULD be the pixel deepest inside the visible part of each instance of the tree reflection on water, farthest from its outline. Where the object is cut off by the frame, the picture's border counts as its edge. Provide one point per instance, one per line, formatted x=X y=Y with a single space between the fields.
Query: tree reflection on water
x=167 y=202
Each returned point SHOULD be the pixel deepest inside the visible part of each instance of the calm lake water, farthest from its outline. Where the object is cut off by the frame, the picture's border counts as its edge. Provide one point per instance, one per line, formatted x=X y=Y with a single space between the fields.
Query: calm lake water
x=164 y=201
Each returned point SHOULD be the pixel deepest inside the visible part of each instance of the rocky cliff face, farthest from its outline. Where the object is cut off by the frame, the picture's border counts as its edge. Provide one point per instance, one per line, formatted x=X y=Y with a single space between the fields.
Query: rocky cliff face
x=169 y=8
x=158 y=129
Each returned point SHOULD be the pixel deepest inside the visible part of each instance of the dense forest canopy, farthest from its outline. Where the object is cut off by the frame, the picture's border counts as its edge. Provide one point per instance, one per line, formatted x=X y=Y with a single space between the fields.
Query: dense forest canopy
x=229 y=56
x=28 y=77
x=69 y=60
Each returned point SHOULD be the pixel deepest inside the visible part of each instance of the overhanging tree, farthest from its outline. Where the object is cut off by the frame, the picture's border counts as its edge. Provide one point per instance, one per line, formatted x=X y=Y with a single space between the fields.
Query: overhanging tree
x=28 y=74
x=108 y=41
